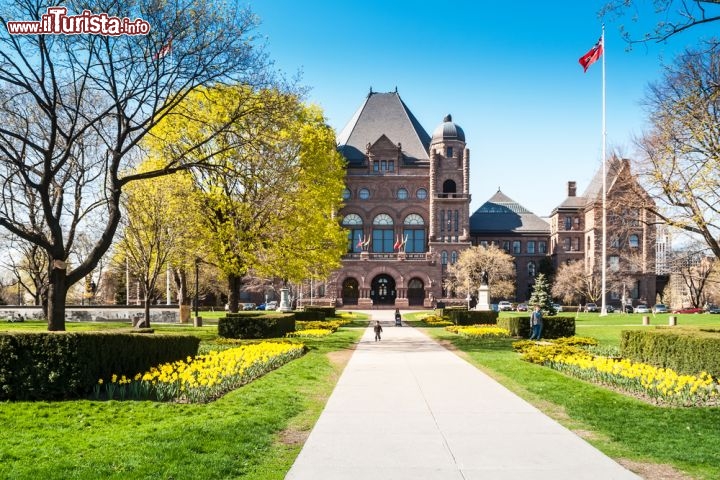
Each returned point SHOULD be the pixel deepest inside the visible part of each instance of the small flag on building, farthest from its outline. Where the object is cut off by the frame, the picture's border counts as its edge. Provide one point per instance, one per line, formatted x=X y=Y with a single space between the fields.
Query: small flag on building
x=592 y=56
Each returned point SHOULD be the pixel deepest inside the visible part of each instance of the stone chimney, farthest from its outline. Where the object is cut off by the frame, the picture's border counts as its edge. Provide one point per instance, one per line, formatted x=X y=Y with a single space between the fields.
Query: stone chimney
x=572 y=189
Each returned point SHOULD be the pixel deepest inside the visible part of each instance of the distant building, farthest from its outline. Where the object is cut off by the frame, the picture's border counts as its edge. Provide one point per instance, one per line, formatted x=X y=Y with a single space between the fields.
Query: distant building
x=407 y=213
x=406 y=205
x=505 y=223
x=576 y=233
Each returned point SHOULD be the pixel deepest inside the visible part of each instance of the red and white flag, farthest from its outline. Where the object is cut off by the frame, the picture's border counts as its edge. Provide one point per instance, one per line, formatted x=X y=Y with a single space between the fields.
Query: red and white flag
x=397 y=242
x=593 y=55
x=165 y=50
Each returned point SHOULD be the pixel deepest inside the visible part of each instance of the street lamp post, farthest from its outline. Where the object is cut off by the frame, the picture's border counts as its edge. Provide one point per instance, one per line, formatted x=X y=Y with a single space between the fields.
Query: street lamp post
x=198 y=321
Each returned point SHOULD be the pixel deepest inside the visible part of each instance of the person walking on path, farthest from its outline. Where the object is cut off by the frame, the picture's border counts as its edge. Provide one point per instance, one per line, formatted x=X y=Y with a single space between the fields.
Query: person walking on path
x=378 y=330
x=536 y=323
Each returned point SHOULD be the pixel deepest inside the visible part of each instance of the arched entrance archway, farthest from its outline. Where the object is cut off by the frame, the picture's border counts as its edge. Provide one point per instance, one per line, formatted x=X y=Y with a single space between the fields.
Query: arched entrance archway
x=382 y=290
x=416 y=292
x=350 y=291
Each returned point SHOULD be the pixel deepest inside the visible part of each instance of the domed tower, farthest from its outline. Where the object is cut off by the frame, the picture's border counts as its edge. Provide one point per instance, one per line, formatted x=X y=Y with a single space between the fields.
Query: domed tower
x=449 y=186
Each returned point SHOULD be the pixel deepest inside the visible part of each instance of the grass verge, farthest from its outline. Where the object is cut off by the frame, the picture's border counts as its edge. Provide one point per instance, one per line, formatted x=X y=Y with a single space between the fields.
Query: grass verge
x=254 y=432
x=620 y=426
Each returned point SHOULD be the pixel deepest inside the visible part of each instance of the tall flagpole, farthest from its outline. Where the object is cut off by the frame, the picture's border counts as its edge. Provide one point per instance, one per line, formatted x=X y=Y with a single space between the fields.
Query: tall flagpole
x=603 y=309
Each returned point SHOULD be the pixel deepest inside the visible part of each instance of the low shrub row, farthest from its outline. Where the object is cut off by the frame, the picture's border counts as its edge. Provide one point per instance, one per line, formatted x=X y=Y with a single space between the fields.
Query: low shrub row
x=309 y=315
x=328 y=311
x=254 y=327
x=324 y=325
x=553 y=327
x=60 y=365
x=470 y=317
x=685 y=351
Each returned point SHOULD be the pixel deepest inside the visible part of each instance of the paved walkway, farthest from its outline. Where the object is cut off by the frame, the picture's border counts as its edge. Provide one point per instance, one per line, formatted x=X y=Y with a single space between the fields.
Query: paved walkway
x=407 y=408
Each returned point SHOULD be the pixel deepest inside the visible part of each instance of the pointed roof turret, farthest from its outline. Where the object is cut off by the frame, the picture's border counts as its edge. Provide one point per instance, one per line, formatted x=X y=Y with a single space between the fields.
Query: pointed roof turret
x=383 y=114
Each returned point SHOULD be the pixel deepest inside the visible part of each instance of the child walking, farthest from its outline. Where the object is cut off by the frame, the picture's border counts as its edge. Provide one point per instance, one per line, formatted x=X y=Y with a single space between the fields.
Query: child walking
x=378 y=330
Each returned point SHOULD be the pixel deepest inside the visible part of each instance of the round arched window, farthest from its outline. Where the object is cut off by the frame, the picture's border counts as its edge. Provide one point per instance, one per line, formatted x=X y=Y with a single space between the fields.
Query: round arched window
x=421 y=194
x=346 y=194
x=364 y=194
x=414 y=219
x=352 y=219
x=402 y=194
x=382 y=219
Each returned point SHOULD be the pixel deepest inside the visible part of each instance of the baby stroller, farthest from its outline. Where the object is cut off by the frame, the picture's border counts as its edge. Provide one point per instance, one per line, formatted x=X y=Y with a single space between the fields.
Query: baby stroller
x=398 y=320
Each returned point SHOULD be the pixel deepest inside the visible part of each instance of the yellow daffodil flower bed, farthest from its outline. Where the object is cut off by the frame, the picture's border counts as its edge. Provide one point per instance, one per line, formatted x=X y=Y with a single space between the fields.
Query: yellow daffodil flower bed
x=479 y=331
x=435 y=320
x=311 y=332
x=205 y=377
x=661 y=386
x=317 y=324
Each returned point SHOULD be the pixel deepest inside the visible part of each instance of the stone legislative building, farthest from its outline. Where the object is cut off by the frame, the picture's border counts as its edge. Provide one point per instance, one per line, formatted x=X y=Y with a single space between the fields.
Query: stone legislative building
x=406 y=207
x=407 y=213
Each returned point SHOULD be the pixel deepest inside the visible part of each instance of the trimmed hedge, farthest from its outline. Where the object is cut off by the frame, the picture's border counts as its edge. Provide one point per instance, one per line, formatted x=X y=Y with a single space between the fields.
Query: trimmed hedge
x=685 y=351
x=471 y=317
x=310 y=315
x=553 y=327
x=262 y=326
x=328 y=311
x=60 y=365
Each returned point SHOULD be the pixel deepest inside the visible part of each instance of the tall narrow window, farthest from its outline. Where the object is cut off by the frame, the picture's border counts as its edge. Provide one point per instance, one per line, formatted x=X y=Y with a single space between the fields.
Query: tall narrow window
x=442 y=220
x=382 y=236
x=457 y=217
x=414 y=233
x=353 y=223
x=531 y=246
x=517 y=246
x=449 y=152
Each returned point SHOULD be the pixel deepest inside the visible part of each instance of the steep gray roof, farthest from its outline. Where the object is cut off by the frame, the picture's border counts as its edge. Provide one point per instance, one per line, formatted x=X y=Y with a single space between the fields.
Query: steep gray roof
x=383 y=113
x=594 y=190
x=502 y=214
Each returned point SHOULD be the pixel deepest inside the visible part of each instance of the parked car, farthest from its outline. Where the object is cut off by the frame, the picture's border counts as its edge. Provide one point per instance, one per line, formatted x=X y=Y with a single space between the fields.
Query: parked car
x=628 y=308
x=248 y=306
x=267 y=306
x=557 y=307
x=689 y=310
x=609 y=309
x=522 y=307
x=660 y=308
x=504 y=306
x=642 y=309
x=713 y=309
x=592 y=307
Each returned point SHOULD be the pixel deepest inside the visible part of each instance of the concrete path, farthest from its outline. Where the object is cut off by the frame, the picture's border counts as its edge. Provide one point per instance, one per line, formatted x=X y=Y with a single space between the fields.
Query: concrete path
x=407 y=408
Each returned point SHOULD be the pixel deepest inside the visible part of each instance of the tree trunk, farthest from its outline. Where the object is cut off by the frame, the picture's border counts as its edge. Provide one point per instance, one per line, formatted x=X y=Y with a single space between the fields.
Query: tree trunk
x=180 y=278
x=146 y=311
x=234 y=283
x=56 y=294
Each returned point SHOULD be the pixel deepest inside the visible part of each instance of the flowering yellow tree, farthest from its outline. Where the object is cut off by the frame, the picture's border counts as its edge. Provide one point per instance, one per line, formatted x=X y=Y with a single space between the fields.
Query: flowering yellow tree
x=268 y=204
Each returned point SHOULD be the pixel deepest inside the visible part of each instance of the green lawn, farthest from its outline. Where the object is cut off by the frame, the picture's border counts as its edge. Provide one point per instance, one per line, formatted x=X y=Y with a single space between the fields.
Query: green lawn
x=254 y=432
x=622 y=427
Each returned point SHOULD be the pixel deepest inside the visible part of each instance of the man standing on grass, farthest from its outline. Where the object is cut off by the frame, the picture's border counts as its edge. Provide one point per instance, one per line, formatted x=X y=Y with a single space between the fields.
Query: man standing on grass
x=536 y=323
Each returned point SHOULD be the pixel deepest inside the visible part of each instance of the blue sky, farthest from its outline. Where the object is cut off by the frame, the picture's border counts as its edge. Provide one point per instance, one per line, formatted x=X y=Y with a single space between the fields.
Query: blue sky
x=507 y=72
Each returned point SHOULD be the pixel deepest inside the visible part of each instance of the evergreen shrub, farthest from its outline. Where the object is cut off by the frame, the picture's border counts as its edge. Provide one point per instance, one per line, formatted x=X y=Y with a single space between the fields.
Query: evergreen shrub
x=685 y=351
x=328 y=311
x=459 y=316
x=553 y=327
x=309 y=315
x=61 y=365
x=250 y=327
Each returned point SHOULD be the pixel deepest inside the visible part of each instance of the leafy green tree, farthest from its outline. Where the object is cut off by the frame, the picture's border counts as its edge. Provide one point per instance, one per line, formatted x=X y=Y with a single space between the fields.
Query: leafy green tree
x=156 y=226
x=541 y=295
x=268 y=204
x=75 y=108
x=465 y=276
